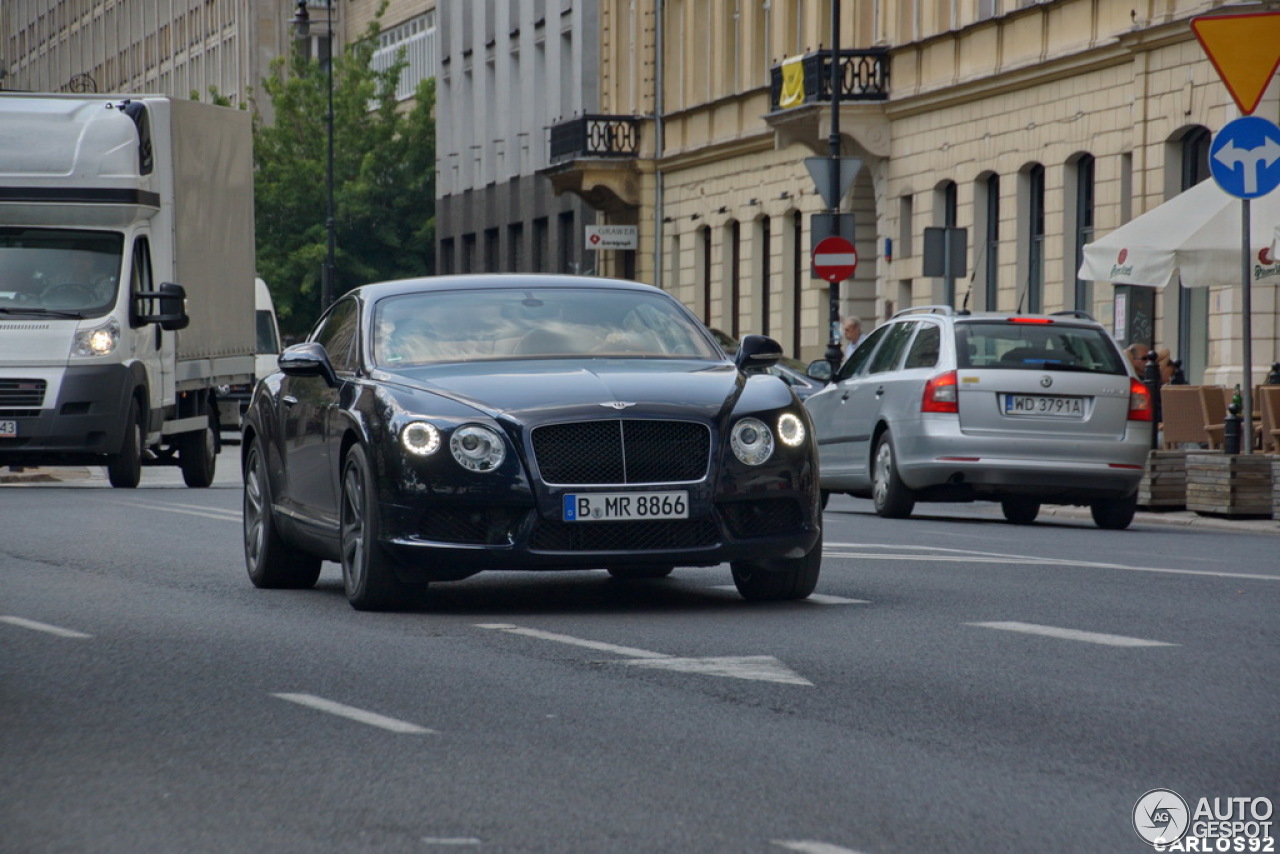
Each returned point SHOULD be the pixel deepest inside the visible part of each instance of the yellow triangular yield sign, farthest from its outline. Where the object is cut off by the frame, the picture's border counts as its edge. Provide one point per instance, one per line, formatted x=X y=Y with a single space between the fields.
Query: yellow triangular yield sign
x=1245 y=49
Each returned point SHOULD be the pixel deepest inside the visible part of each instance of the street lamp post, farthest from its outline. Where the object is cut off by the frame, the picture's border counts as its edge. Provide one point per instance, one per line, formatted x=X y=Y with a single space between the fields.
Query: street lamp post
x=328 y=273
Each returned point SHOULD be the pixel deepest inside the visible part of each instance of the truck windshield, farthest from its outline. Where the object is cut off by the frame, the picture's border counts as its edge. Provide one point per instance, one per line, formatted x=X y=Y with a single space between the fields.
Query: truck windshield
x=49 y=270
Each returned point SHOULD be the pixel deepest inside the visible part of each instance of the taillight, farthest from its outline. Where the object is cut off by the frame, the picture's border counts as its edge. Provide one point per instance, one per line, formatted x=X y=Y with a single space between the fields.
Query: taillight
x=1140 y=408
x=940 y=394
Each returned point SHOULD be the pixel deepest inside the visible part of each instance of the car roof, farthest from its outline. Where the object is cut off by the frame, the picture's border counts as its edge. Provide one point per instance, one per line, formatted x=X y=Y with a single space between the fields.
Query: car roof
x=480 y=281
x=1069 y=317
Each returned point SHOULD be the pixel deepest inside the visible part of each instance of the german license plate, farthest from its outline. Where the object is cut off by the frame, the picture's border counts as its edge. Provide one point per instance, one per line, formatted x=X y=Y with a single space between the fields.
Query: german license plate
x=625 y=506
x=1035 y=404
x=8 y=429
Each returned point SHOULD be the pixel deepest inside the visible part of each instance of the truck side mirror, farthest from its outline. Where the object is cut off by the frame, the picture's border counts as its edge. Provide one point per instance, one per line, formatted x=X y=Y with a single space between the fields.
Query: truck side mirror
x=169 y=307
x=308 y=359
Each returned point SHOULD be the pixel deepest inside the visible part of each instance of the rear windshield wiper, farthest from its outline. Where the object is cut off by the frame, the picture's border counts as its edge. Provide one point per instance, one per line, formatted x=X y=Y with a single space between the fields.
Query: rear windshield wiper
x=45 y=312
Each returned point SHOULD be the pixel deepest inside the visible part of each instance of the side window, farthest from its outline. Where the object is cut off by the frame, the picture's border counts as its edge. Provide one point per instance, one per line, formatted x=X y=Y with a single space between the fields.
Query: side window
x=890 y=353
x=923 y=352
x=337 y=332
x=860 y=355
x=140 y=278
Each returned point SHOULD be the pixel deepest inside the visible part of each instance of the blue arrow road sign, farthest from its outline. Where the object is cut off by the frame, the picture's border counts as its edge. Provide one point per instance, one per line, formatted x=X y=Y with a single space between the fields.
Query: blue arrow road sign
x=1245 y=157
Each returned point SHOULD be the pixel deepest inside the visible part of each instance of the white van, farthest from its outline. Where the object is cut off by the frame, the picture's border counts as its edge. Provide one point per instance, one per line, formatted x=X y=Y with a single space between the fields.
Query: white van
x=234 y=400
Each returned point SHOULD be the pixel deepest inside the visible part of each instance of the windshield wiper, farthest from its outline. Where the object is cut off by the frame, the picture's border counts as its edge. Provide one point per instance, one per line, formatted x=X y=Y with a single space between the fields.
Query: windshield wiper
x=45 y=312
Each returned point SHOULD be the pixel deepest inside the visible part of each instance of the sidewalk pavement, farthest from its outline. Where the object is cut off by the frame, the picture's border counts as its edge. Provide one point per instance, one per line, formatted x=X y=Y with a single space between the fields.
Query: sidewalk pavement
x=228 y=474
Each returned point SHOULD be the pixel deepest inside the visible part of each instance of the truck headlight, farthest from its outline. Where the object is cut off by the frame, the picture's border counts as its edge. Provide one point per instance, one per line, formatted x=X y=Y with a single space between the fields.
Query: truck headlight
x=98 y=341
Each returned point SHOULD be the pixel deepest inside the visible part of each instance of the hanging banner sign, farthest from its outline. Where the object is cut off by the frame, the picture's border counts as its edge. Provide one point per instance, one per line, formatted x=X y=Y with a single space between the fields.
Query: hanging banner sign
x=613 y=237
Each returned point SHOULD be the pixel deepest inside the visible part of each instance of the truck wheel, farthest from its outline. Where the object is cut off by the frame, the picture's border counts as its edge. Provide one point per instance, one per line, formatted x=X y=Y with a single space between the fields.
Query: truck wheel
x=124 y=469
x=780 y=578
x=370 y=582
x=270 y=561
x=198 y=455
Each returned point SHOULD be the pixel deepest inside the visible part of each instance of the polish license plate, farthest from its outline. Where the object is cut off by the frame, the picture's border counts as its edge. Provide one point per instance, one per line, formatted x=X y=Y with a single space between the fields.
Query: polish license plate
x=1035 y=404
x=625 y=506
x=8 y=429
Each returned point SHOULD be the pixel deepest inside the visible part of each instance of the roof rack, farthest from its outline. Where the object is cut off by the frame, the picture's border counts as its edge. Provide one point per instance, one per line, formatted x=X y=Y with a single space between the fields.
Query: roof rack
x=925 y=309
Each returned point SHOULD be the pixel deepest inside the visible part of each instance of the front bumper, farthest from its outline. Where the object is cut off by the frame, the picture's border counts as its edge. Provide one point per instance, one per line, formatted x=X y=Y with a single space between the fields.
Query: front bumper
x=84 y=424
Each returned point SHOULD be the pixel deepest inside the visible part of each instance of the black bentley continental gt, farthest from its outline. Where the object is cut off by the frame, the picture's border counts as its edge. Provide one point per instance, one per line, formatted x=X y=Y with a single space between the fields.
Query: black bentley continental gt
x=429 y=429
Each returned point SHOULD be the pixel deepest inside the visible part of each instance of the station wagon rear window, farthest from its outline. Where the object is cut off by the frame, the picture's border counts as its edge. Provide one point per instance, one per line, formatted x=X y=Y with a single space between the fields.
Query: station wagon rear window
x=1036 y=347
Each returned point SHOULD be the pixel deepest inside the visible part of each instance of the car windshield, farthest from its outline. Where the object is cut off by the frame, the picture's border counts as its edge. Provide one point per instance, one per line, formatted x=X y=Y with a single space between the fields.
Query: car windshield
x=504 y=323
x=1036 y=346
x=45 y=270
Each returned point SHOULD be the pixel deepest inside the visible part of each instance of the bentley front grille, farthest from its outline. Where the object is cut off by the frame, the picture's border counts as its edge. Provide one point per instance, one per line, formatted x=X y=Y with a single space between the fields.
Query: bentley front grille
x=617 y=452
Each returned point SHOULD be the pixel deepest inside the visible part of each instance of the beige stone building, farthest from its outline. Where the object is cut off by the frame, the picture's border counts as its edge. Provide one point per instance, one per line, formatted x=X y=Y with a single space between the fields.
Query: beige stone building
x=1034 y=126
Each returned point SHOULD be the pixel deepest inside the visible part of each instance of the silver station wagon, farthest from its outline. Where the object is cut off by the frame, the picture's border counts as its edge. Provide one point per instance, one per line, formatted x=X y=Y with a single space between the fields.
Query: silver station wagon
x=939 y=405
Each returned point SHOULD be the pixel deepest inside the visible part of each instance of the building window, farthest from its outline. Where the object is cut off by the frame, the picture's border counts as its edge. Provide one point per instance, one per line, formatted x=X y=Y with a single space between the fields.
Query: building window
x=766 y=283
x=797 y=280
x=1035 y=239
x=706 y=275
x=906 y=210
x=1084 y=170
x=540 y=245
x=515 y=247
x=735 y=276
x=991 y=244
x=947 y=200
x=568 y=263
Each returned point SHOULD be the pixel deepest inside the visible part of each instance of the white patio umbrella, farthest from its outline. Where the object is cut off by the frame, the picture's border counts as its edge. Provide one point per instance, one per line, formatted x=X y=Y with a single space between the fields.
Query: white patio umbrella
x=1195 y=234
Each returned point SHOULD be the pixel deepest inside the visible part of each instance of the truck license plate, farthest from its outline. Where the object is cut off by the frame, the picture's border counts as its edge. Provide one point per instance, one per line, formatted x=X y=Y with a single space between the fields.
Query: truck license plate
x=8 y=429
x=1058 y=407
x=625 y=506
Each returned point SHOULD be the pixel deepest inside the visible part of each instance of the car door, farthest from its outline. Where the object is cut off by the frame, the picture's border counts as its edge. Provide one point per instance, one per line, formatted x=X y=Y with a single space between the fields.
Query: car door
x=873 y=392
x=831 y=410
x=306 y=407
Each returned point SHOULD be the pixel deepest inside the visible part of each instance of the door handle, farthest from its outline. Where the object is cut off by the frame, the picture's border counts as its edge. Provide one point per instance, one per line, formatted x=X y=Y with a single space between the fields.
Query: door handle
x=289 y=400
x=880 y=391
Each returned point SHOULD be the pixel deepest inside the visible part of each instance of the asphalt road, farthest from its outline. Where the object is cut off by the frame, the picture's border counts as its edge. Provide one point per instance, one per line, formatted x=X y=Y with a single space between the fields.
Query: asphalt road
x=958 y=684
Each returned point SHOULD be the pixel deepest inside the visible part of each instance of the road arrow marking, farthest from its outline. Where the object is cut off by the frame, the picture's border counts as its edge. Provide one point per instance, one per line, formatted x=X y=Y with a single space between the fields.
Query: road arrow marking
x=760 y=668
x=805 y=846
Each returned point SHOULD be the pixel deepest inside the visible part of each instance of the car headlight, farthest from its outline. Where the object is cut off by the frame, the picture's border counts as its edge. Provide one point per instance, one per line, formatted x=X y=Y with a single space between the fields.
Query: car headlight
x=477 y=448
x=791 y=430
x=98 y=341
x=751 y=441
x=420 y=438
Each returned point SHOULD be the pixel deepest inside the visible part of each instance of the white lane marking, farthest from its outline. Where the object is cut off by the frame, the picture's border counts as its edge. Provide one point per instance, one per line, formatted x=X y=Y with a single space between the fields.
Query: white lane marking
x=1070 y=634
x=814 y=598
x=805 y=846
x=967 y=556
x=761 y=668
x=43 y=627
x=220 y=515
x=352 y=713
x=450 y=840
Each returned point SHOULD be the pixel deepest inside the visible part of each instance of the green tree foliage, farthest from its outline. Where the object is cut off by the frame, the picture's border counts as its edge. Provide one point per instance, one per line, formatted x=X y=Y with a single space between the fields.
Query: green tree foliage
x=383 y=176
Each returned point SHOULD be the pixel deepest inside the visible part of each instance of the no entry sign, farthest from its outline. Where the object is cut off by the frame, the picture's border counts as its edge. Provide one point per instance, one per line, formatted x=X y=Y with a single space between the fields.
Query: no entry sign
x=834 y=259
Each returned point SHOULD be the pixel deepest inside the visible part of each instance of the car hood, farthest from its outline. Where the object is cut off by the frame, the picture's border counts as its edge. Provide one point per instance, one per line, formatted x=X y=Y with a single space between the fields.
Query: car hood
x=554 y=389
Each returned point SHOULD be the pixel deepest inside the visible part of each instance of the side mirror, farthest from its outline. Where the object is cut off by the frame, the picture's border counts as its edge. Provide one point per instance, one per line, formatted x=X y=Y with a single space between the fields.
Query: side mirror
x=167 y=306
x=756 y=353
x=819 y=370
x=307 y=360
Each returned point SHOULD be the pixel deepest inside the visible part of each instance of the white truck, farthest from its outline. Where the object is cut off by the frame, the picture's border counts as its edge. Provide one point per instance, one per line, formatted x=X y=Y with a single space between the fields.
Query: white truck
x=126 y=280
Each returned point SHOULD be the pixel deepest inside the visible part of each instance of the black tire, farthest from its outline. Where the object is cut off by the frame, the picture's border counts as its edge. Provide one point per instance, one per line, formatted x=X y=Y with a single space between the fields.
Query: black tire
x=824 y=496
x=1019 y=511
x=1114 y=514
x=779 y=579
x=640 y=573
x=271 y=562
x=124 y=469
x=892 y=498
x=198 y=455
x=367 y=576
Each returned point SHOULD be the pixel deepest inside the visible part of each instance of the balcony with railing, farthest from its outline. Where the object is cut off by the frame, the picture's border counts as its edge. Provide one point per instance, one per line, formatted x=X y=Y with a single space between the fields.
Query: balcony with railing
x=800 y=99
x=594 y=156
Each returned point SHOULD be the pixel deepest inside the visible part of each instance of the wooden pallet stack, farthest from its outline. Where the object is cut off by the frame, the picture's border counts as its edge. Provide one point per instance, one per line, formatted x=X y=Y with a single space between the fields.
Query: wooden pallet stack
x=1164 y=485
x=1229 y=484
